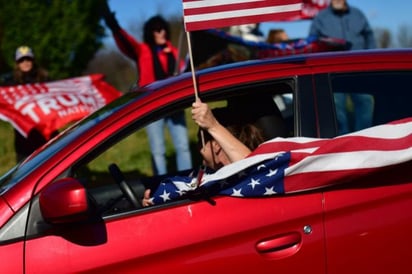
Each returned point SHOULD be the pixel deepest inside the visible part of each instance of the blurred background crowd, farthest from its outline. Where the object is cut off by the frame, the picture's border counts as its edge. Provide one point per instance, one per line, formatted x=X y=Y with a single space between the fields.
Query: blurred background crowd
x=71 y=39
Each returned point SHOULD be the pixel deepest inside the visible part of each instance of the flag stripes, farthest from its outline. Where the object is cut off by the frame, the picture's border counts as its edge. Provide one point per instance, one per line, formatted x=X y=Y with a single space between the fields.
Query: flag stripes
x=290 y=165
x=207 y=14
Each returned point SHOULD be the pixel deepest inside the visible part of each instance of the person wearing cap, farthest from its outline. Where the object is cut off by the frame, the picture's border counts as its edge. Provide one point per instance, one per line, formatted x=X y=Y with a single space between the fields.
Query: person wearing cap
x=26 y=71
x=156 y=59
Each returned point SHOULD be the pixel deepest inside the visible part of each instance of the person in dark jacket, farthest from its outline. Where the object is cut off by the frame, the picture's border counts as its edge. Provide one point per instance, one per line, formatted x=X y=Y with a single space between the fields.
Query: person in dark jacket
x=156 y=59
x=26 y=71
x=340 y=20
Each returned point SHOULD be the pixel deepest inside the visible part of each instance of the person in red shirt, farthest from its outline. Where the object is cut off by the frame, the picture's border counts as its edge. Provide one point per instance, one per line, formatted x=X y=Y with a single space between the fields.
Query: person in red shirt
x=156 y=59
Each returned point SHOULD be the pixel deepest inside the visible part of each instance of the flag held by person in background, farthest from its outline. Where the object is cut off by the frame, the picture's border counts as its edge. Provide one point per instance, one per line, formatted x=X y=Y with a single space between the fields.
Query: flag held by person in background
x=50 y=106
x=217 y=47
x=207 y=14
x=289 y=165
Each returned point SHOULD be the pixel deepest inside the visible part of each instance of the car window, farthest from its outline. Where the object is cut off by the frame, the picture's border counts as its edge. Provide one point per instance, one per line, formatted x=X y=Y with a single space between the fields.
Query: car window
x=363 y=100
x=269 y=106
x=131 y=155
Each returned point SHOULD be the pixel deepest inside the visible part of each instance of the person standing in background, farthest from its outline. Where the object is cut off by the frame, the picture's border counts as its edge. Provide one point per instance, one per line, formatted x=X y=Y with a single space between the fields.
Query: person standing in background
x=340 y=20
x=26 y=71
x=156 y=59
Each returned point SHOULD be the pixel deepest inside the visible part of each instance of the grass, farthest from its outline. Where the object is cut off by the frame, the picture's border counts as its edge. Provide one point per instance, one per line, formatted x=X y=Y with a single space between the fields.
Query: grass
x=7 y=154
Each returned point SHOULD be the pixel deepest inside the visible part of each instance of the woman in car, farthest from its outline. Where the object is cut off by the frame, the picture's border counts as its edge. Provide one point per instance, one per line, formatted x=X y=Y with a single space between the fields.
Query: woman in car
x=222 y=139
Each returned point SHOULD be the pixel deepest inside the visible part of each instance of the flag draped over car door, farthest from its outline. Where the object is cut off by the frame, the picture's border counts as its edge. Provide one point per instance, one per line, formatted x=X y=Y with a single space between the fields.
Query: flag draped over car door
x=50 y=106
x=289 y=165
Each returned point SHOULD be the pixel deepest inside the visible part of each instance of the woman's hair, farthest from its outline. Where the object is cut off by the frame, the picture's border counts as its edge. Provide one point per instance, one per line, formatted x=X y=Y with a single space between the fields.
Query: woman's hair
x=247 y=133
x=155 y=23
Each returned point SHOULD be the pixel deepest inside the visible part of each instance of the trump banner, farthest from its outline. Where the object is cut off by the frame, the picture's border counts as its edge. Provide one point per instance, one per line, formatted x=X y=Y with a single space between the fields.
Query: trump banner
x=50 y=106
x=289 y=165
x=207 y=14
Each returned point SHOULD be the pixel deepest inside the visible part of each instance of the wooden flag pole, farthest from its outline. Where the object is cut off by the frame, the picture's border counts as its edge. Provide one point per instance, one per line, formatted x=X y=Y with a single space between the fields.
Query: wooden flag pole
x=179 y=53
x=192 y=68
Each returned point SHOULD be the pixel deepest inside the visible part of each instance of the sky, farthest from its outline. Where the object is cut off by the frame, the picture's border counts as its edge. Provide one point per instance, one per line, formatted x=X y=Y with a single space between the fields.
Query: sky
x=380 y=13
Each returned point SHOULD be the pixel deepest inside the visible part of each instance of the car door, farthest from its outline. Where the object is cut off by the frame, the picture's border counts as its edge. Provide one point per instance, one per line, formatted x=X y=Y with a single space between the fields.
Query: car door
x=388 y=92
x=264 y=235
x=280 y=234
x=367 y=221
x=367 y=228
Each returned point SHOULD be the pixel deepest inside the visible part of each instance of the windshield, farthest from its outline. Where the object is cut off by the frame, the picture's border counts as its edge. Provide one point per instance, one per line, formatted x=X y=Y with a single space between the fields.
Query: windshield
x=23 y=169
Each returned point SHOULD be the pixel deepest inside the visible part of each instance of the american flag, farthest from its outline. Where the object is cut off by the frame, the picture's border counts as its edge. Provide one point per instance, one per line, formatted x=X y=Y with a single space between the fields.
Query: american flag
x=288 y=165
x=207 y=14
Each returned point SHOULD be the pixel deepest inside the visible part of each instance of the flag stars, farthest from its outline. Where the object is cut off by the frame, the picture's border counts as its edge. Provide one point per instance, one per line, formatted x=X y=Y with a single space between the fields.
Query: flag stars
x=237 y=192
x=269 y=191
x=271 y=172
x=165 y=196
x=261 y=166
x=253 y=183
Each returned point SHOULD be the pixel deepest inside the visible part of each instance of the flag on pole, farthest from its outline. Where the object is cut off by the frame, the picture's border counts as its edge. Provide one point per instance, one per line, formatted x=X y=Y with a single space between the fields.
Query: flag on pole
x=207 y=14
x=52 y=105
x=289 y=165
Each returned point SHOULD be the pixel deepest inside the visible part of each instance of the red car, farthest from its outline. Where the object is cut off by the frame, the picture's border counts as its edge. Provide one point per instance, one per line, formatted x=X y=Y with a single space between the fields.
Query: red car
x=58 y=214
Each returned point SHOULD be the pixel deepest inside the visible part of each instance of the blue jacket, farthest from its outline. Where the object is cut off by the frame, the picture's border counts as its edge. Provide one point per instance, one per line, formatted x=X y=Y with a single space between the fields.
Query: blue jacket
x=350 y=25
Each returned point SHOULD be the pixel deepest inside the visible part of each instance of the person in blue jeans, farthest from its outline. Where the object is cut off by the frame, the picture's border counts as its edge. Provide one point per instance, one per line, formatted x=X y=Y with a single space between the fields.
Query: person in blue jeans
x=343 y=21
x=178 y=131
x=362 y=110
x=156 y=59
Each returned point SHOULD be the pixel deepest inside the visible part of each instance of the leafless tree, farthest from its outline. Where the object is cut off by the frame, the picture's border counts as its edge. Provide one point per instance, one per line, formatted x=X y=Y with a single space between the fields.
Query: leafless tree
x=119 y=71
x=405 y=36
x=383 y=38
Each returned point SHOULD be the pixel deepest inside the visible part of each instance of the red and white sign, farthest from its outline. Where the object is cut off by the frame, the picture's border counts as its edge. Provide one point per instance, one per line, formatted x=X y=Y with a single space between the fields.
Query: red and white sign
x=50 y=106
x=207 y=14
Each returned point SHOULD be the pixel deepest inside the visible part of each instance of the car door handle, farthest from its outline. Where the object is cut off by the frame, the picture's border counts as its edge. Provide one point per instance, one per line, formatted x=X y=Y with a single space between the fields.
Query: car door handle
x=280 y=246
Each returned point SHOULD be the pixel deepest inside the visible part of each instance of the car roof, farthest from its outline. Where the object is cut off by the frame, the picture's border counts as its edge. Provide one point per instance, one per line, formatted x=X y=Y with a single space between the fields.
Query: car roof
x=301 y=64
x=310 y=62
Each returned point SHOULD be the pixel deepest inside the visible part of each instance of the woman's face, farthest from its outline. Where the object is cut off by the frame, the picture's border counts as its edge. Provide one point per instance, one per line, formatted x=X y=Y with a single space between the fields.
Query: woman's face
x=209 y=156
x=160 y=36
x=25 y=64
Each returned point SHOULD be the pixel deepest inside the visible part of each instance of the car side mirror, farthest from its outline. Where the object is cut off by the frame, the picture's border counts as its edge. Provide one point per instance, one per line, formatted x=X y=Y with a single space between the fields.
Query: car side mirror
x=64 y=201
